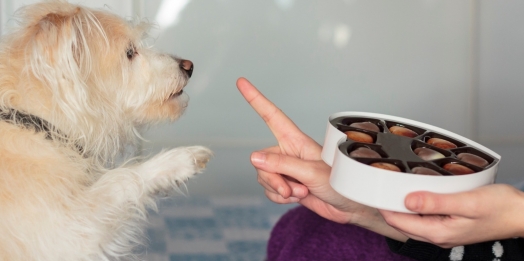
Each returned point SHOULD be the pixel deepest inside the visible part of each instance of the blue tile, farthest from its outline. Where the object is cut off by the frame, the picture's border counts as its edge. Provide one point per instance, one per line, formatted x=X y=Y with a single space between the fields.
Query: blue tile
x=156 y=240
x=278 y=209
x=211 y=228
x=243 y=217
x=193 y=228
x=184 y=201
x=247 y=250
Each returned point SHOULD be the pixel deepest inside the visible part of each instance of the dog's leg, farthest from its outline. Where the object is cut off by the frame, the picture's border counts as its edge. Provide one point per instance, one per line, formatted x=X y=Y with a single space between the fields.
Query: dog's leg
x=124 y=194
x=172 y=168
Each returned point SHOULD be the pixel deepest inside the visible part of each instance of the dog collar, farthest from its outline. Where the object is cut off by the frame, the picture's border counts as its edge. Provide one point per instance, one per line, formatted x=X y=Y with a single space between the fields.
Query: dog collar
x=30 y=122
x=27 y=120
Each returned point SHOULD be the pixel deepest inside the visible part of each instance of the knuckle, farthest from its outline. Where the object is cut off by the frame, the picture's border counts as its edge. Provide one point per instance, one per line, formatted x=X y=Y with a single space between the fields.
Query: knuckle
x=275 y=197
x=278 y=161
x=270 y=195
x=273 y=161
x=270 y=115
x=314 y=173
x=438 y=240
x=390 y=221
x=260 y=180
x=430 y=204
x=441 y=239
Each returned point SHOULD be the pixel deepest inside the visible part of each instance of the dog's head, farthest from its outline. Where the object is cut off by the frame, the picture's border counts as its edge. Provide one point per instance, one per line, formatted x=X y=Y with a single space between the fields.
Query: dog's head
x=89 y=74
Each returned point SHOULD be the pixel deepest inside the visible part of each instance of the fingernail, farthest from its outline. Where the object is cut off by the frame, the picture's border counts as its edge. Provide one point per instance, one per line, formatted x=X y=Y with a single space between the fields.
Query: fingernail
x=293 y=199
x=414 y=202
x=281 y=191
x=258 y=157
x=297 y=192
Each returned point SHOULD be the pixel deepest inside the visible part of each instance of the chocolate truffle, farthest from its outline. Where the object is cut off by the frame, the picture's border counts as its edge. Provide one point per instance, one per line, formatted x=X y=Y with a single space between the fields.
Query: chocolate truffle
x=472 y=159
x=364 y=152
x=428 y=154
x=386 y=166
x=366 y=126
x=458 y=169
x=425 y=171
x=403 y=131
x=359 y=136
x=441 y=143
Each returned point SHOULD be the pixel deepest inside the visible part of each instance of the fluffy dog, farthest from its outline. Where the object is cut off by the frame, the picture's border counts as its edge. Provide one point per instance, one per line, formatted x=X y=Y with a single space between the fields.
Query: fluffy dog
x=75 y=85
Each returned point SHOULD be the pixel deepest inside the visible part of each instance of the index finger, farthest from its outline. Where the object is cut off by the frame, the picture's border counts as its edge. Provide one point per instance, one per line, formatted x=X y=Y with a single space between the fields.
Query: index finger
x=276 y=120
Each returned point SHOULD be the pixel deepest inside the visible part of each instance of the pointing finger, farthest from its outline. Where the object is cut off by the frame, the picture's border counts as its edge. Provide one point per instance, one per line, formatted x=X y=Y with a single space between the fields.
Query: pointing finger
x=279 y=124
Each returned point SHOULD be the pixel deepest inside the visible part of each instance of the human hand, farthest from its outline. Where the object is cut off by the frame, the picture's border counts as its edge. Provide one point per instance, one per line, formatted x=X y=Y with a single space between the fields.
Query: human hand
x=291 y=142
x=487 y=213
x=293 y=171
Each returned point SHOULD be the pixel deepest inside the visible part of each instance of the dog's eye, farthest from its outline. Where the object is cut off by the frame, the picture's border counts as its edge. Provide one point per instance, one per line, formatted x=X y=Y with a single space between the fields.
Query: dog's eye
x=131 y=52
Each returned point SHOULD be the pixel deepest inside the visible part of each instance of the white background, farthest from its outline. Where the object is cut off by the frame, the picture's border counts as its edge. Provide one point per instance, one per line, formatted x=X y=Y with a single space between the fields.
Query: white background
x=453 y=64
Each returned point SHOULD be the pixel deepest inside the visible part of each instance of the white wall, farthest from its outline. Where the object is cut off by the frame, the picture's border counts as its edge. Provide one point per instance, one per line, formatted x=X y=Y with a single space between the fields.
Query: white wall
x=501 y=84
x=312 y=58
x=126 y=8
x=453 y=64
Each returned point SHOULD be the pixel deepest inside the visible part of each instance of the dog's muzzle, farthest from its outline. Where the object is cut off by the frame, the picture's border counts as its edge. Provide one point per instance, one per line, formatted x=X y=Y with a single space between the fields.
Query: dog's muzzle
x=187 y=67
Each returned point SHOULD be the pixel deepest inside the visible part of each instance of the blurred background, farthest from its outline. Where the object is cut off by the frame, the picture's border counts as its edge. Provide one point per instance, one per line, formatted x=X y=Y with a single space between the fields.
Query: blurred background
x=457 y=65
x=454 y=64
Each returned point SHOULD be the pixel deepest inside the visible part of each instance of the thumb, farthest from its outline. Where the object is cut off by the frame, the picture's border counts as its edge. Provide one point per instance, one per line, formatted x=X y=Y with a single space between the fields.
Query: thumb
x=301 y=170
x=439 y=204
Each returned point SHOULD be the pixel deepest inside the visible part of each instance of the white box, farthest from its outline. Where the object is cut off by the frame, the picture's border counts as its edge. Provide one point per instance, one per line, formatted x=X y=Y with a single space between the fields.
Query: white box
x=386 y=189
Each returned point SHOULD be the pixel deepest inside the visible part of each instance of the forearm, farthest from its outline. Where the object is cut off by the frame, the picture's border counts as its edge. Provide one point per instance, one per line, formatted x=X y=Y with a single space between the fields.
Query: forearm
x=370 y=219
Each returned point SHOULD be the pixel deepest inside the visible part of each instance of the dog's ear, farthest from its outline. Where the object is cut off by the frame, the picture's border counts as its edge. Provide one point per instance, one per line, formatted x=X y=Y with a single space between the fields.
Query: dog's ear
x=55 y=19
x=59 y=55
x=59 y=36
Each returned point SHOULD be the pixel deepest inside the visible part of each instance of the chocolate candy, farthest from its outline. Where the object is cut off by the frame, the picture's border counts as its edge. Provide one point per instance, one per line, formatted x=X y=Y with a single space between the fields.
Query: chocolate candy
x=425 y=171
x=364 y=152
x=402 y=131
x=366 y=126
x=359 y=136
x=428 y=154
x=458 y=169
x=441 y=143
x=472 y=159
x=386 y=166
x=418 y=150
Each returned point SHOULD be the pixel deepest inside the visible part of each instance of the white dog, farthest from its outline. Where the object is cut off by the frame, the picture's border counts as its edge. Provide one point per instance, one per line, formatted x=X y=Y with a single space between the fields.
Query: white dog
x=75 y=84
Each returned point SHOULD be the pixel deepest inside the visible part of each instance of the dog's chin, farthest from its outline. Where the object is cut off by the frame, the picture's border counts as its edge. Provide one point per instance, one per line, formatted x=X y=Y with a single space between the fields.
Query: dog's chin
x=175 y=95
x=178 y=100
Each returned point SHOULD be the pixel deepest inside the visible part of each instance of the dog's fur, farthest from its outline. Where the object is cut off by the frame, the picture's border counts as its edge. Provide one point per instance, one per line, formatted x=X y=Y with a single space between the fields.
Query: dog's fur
x=86 y=76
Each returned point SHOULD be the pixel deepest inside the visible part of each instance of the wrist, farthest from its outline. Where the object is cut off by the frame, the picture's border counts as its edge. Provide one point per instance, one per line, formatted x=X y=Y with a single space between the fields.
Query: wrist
x=371 y=219
x=520 y=207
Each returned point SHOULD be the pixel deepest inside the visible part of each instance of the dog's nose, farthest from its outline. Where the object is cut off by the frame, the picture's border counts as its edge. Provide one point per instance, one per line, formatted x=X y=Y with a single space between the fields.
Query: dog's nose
x=187 y=66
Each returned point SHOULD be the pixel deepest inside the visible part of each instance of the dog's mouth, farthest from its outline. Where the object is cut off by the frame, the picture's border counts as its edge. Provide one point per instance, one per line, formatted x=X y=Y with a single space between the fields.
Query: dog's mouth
x=176 y=94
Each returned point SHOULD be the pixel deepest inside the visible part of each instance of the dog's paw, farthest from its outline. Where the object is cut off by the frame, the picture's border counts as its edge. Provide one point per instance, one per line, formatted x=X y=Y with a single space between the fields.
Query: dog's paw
x=201 y=156
x=173 y=167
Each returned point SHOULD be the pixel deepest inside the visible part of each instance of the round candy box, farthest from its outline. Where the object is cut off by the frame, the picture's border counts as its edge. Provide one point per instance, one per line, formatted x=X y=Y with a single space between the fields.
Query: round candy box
x=378 y=159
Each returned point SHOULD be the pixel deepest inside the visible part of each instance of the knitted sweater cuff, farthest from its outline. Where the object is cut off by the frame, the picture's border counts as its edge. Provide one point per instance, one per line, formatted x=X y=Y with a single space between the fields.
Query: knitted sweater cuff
x=416 y=249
